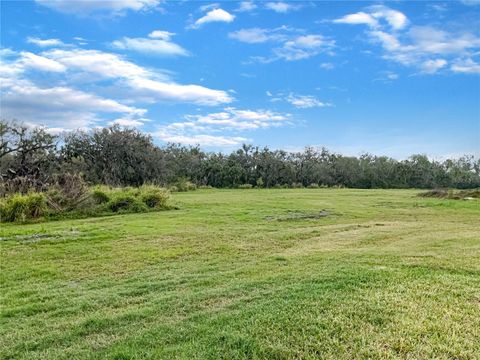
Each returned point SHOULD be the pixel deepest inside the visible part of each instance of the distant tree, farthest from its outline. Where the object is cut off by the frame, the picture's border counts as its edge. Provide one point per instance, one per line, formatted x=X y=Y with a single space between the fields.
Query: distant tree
x=28 y=156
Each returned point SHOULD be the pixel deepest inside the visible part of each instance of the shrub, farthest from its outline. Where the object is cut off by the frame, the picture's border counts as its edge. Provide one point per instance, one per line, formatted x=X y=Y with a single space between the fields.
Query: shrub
x=185 y=185
x=153 y=196
x=245 y=186
x=126 y=203
x=313 y=186
x=205 y=187
x=297 y=185
x=260 y=182
x=100 y=195
x=23 y=207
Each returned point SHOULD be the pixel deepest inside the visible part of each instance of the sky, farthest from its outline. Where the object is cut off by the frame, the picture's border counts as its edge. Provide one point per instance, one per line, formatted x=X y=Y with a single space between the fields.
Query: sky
x=390 y=78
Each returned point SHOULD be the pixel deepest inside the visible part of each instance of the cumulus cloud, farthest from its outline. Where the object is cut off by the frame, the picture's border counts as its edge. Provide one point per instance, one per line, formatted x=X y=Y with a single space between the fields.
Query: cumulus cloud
x=143 y=82
x=58 y=106
x=61 y=104
x=32 y=61
x=158 y=43
x=215 y=15
x=82 y=7
x=396 y=19
x=357 y=18
x=425 y=47
x=203 y=129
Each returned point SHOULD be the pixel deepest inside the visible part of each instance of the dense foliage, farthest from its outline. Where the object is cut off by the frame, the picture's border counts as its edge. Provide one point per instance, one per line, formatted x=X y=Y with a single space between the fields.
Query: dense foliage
x=30 y=158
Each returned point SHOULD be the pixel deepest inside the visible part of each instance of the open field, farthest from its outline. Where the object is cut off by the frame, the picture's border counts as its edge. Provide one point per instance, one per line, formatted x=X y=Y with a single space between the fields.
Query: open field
x=249 y=274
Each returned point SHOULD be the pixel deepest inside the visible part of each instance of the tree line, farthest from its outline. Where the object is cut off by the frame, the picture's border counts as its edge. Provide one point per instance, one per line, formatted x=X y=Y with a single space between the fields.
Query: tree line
x=30 y=158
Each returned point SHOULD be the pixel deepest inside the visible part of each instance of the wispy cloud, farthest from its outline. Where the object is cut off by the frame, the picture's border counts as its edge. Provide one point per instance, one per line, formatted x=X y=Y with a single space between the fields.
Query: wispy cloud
x=291 y=45
x=45 y=42
x=88 y=7
x=158 y=43
x=281 y=7
x=246 y=6
x=306 y=101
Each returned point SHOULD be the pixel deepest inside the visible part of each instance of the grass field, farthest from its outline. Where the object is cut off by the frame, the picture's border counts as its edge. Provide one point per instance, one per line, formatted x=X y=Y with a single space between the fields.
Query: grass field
x=249 y=274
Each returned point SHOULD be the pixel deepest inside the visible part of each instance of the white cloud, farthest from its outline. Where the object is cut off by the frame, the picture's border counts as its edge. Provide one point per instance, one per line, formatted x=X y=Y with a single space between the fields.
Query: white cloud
x=127 y=122
x=161 y=34
x=431 y=40
x=44 y=42
x=57 y=106
x=357 y=18
x=215 y=15
x=143 y=82
x=306 y=101
x=327 y=66
x=303 y=47
x=394 y=18
x=292 y=46
x=432 y=66
x=424 y=47
x=251 y=36
x=202 y=140
x=466 y=66
x=60 y=104
x=151 y=46
x=246 y=6
x=32 y=61
x=203 y=129
x=281 y=7
x=85 y=7
x=170 y=91
x=470 y=2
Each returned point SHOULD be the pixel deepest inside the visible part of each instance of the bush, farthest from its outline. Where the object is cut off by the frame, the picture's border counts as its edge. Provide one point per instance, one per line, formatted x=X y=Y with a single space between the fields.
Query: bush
x=23 y=207
x=100 y=195
x=154 y=197
x=126 y=203
x=245 y=186
x=260 y=182
x=103 y=200
x=185 y=185
x=313 y=186
x=297 y=185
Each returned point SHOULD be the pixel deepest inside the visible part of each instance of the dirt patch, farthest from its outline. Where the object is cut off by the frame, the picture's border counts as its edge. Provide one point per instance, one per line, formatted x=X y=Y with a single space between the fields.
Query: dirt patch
x=298 y=215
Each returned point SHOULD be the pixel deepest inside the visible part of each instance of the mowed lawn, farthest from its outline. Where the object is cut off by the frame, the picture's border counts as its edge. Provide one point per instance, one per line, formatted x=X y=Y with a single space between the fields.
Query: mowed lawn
x=249 y=274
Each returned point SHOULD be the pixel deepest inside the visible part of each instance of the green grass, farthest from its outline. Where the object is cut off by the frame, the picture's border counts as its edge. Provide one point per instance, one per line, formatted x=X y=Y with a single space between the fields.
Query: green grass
x=249 y=274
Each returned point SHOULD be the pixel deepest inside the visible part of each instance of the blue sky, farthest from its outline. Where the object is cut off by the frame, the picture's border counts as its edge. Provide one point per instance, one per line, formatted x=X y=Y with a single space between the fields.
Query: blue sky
x=391 y=78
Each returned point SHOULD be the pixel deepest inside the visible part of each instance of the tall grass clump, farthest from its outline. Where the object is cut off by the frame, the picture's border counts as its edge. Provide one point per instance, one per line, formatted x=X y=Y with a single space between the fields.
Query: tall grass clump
x=74 y=202
x=19 y=208
x=183 y=184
